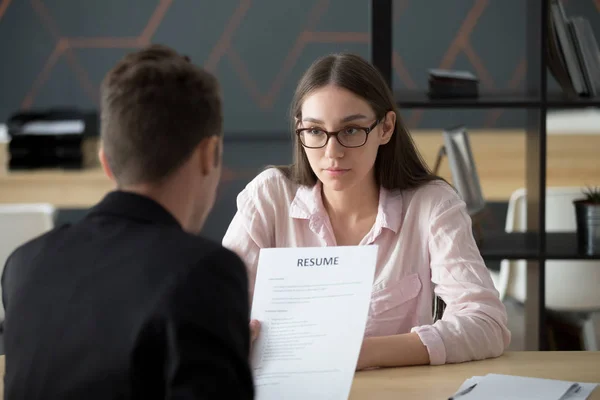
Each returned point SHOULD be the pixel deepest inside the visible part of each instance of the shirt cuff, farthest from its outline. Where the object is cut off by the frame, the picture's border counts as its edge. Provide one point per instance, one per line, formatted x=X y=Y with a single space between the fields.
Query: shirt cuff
x=434 y=343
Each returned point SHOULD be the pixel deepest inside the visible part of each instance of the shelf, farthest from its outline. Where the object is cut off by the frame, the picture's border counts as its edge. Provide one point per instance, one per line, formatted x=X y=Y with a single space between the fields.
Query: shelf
x=524 y=246
x=560 y=101
x=500 y=245
x=420 y=99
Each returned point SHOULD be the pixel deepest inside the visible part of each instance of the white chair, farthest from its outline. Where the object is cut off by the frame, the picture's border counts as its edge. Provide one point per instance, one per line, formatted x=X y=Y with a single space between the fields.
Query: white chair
x=20 y=223
x=571 y=285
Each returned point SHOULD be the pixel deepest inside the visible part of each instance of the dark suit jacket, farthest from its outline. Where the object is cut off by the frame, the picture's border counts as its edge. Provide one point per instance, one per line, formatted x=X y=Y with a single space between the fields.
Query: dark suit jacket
x=125 y=305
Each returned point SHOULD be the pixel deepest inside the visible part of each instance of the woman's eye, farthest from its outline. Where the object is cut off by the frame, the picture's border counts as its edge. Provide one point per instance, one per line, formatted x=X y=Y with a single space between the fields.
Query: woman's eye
x=314 y=131
x=350 y=131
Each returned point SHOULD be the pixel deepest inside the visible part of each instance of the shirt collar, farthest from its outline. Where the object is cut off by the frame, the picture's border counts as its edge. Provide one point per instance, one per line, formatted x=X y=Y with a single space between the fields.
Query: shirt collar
x=308 y=204
x=389 y=211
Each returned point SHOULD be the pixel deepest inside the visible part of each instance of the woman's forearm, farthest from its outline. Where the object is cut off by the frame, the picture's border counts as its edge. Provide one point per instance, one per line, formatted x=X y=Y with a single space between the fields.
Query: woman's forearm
x=393 y=351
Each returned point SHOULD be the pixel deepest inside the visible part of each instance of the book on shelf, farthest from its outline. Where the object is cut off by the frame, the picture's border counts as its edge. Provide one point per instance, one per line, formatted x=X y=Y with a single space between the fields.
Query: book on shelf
x=573 y=54
x=556 y=61
x=588 y=53
x=447 y=84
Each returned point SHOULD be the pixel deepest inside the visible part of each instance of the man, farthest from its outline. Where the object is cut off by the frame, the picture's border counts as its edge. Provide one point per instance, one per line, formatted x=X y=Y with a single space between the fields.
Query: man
x=130 y=303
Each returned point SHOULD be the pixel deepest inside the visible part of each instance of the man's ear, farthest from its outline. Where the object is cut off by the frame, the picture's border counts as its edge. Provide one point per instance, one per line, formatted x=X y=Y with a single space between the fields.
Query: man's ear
x=388 y=126
x=210 y=149
x=104 y=163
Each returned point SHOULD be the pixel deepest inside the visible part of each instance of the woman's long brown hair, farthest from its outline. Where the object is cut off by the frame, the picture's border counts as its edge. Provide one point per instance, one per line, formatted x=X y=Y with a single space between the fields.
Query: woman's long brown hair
x=399 y=164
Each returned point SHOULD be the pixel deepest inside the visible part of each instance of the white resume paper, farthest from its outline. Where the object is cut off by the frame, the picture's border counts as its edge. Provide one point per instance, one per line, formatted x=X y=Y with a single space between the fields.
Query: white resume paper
x=312 y=304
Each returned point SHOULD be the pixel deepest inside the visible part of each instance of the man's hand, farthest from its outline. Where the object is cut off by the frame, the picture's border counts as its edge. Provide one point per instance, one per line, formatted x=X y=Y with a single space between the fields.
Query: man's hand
x=254 y=332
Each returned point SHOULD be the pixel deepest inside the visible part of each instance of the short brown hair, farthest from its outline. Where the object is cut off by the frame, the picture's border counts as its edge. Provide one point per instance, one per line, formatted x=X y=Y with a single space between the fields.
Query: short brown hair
x=398 y=164
x=156 y=107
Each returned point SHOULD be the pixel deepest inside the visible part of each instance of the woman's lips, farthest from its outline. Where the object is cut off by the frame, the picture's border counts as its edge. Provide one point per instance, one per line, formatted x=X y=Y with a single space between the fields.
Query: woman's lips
x=336 y=172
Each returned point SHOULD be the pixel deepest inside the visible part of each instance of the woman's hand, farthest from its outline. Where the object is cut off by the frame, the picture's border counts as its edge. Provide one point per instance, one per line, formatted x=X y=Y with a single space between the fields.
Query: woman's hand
x=392 y=351
x=254 y=332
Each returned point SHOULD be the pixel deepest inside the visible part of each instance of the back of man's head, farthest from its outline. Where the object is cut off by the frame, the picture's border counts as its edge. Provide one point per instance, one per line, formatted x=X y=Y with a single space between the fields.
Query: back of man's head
x=156 y=107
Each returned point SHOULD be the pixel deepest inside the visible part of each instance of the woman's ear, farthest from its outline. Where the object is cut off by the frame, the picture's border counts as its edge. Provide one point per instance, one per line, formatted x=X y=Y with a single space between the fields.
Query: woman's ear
x=388 y=126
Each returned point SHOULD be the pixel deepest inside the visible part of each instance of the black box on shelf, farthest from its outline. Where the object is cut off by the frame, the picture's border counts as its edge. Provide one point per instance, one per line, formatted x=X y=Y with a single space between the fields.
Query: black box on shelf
x=445 y=84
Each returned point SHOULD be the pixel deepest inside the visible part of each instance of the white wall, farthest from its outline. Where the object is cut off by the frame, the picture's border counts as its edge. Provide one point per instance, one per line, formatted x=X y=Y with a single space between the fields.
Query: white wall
x=580 y=121
x=3 y=134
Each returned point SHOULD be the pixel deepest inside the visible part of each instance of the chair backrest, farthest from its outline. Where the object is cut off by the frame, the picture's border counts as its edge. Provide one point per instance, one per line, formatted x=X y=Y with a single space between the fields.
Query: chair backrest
x=20 y=223
x=439 y=306
x=571 y=285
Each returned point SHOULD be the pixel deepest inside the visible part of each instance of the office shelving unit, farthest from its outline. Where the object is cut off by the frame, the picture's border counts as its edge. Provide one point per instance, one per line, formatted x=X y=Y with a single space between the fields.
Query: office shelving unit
x=536 y=245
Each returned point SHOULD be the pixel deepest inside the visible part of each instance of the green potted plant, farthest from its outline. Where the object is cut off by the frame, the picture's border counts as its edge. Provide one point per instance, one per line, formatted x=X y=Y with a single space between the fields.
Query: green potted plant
x=587 y=215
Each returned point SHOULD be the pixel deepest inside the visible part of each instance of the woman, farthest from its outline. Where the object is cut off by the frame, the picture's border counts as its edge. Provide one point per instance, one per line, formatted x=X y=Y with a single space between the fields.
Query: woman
x=357 y=179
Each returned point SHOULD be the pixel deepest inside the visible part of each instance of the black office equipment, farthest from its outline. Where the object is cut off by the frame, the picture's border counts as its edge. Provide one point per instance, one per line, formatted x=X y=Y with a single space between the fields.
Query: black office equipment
x=56 y=138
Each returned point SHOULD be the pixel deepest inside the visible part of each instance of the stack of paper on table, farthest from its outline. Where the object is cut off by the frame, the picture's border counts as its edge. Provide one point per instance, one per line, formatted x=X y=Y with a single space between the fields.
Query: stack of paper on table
x=510 y=387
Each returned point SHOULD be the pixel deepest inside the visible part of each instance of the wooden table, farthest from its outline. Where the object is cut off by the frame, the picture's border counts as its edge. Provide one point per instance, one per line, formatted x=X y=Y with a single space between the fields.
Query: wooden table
x=439 y=382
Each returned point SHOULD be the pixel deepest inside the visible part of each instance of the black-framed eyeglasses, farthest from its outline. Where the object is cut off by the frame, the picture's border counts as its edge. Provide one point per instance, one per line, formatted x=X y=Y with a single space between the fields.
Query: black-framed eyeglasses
x=350 y=136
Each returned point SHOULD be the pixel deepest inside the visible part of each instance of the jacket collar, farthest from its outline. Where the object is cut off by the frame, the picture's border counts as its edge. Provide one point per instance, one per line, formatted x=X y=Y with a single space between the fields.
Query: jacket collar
x=133 y=206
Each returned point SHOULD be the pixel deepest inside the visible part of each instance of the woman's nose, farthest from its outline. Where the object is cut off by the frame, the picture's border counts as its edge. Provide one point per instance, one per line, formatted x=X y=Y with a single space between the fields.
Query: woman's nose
x=333 y=148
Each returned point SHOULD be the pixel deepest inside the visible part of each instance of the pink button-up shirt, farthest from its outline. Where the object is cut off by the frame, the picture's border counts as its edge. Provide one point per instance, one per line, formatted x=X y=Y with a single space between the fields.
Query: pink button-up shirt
x=425 y=246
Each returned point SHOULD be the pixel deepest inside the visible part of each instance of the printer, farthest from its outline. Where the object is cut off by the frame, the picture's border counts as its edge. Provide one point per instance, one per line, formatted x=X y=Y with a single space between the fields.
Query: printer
x=53 y=138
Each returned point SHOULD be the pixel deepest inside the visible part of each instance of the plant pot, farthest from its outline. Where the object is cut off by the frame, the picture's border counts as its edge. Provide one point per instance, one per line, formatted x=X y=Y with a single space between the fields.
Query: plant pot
x=587 y=216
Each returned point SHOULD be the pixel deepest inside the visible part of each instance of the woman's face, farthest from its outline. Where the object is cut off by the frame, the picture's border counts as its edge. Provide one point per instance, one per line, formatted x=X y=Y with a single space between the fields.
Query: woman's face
x=333 y=109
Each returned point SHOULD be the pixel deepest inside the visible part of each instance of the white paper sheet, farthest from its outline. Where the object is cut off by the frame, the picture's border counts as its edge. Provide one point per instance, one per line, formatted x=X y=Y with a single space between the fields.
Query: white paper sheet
x=508 y=387
x=53 y=127
x=313 y=305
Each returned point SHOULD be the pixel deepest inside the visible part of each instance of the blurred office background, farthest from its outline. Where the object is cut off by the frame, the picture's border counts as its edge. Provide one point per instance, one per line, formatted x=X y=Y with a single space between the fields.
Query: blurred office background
x=56 y=52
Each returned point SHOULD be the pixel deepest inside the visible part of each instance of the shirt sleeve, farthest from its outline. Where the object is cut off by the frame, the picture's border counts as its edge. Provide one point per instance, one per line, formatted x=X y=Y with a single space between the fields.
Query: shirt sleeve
x=207 y=333
x=248 y=232
x=474 y=324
